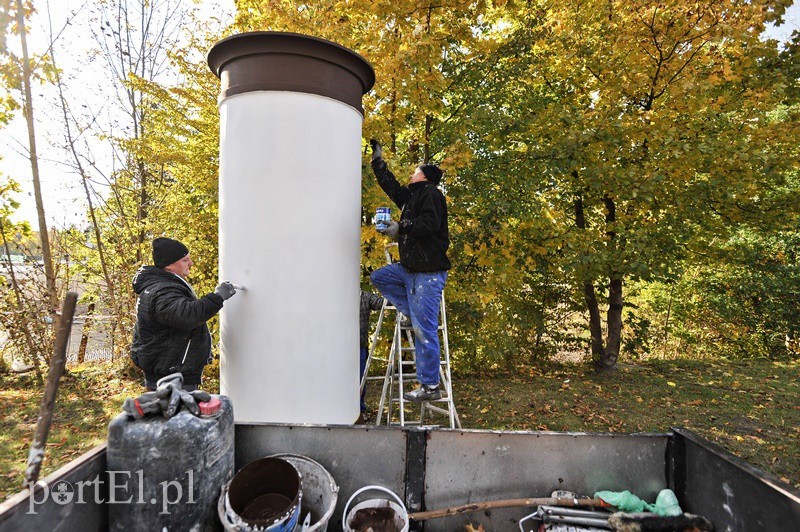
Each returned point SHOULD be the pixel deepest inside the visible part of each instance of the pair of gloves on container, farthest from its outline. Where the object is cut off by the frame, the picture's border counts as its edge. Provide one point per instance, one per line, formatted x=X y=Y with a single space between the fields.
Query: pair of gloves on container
x=392 y=228
x=167 y=399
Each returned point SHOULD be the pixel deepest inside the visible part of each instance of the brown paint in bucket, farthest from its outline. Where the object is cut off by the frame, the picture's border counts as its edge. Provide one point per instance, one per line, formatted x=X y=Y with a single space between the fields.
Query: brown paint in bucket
x=266 y=492
x=379 y=519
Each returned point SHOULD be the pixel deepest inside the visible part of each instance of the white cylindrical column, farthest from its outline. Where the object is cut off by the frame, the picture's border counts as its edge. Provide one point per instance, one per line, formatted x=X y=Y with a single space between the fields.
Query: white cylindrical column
x=289 y=225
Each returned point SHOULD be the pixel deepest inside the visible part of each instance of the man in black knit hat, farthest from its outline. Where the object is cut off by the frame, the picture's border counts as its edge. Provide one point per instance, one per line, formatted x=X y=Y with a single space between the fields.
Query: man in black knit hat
x=171 y=334
x=415 y=284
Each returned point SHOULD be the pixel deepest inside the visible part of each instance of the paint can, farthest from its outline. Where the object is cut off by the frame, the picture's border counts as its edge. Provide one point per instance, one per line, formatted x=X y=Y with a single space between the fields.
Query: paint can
x=265 y=494
x=378 y=514
x=383 y=215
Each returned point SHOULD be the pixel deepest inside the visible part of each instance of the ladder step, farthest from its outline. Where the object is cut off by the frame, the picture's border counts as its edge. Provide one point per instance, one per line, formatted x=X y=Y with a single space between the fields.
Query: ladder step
x=443 y=399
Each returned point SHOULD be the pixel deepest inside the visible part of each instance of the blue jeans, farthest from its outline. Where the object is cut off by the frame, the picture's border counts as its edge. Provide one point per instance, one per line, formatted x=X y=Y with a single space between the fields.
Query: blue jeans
x=364 y=353
x=417 y=295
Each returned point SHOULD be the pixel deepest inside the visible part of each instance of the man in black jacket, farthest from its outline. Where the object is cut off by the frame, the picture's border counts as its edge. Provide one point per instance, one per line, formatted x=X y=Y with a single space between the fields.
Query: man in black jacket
x=415 y=284
x=171 y=334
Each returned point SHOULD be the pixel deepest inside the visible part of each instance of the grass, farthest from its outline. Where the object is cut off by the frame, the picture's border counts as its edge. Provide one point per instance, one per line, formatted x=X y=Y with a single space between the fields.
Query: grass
x=751 y=408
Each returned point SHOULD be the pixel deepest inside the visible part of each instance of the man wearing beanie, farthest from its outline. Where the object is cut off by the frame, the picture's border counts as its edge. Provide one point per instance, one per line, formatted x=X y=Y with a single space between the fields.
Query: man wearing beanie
x=415 y=284
x=171 y=334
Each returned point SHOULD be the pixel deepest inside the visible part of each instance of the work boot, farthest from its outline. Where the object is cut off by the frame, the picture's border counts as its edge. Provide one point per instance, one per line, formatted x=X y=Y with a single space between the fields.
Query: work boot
x=424 y=393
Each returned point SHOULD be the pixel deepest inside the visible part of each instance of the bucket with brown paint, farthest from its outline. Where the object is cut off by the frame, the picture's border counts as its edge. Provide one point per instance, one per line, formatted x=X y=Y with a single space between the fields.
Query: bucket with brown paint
x=382 y=515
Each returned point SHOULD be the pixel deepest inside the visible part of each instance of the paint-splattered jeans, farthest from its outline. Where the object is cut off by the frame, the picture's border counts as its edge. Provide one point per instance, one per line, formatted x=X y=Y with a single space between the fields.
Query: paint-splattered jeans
x=418 y=296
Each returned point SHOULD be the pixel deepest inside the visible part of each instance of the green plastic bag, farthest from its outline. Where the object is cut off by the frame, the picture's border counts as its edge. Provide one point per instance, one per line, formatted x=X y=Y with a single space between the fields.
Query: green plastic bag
x=624 y=500
x=666 y=502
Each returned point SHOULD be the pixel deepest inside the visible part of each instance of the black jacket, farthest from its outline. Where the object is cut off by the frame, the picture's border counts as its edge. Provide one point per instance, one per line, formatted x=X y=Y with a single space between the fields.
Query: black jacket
x=424 y=237
x=171 y=332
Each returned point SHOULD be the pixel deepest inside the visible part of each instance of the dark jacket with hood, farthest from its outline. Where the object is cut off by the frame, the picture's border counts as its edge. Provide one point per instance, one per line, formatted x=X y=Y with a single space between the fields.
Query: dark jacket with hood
x=171 y=332
x=423 y=238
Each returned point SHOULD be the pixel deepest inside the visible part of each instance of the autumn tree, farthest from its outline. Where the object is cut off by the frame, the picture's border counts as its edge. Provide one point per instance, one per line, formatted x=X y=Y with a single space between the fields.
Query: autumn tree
x=640 y=131
x=102 y=139
x=20 y=77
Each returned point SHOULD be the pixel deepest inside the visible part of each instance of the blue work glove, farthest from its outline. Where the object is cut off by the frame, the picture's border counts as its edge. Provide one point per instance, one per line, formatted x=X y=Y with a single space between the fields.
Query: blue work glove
x=225 y=290
x=377 y=151
x=391 y=229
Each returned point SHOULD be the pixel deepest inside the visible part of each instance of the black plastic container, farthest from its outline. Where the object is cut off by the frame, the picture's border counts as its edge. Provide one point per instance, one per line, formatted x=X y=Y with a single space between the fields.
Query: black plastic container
x=169 y=472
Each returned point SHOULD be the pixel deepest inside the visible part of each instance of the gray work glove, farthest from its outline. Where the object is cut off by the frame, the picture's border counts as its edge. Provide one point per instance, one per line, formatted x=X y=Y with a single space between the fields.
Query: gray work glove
x=173 y=378
x=147 y=403
x=225 y=290
x=172 y=397
x=377 y=151
x=391 y=229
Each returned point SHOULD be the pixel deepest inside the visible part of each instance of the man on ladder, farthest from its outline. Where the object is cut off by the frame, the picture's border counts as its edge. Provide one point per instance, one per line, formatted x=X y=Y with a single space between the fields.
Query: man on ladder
x=415 y=284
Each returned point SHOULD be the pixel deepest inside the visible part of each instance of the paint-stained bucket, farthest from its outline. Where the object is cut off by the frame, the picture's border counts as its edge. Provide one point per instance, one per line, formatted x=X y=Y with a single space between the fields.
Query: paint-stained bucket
x=320 y=492
x=265 y=494
x=375 y=514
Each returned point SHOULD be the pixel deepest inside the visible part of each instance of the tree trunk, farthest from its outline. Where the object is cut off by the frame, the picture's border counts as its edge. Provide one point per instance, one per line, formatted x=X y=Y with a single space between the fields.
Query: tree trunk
x=595 y=325
x=87 y=324
x=47 y=258
x=608 y=360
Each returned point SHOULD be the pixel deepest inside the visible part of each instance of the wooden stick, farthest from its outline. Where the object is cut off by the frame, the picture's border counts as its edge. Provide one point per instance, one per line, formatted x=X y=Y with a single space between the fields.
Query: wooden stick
x=507 y=503
x=57 y=364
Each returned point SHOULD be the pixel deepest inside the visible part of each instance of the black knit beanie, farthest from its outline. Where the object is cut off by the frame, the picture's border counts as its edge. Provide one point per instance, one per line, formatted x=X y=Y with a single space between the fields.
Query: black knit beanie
x=166 y=251
x=432 y=173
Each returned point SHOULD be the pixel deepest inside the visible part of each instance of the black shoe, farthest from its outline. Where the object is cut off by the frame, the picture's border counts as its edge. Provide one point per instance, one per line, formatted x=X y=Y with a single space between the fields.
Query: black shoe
x=423 y=393
x=405 y=322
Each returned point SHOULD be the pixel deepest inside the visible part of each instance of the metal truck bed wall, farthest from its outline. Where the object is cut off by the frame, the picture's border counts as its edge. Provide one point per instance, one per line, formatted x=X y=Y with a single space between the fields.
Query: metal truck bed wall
x=437 y=468
x=16 y=515
x=460 y=467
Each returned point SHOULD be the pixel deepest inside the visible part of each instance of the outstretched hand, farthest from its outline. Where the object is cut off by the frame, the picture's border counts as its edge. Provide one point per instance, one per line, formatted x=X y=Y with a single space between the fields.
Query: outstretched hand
x=225 y=290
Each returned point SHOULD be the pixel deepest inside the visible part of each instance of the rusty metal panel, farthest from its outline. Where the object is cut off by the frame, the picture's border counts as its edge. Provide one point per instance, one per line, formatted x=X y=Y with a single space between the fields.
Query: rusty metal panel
x=355 y=456
x=733 y=494
x=472 y=466
x=81 y=508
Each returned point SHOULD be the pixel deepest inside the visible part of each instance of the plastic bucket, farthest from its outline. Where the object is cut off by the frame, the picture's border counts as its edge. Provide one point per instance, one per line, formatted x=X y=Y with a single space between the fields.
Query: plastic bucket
x=381 y=514
x=265 y=494
x=320 y=492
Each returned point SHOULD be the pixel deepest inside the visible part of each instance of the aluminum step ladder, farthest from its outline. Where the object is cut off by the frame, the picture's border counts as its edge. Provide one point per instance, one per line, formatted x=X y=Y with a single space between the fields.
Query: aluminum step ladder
x=393 y=408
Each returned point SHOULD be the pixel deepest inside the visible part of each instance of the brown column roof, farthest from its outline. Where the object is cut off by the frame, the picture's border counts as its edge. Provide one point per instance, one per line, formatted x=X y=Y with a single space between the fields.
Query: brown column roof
x=279 y=61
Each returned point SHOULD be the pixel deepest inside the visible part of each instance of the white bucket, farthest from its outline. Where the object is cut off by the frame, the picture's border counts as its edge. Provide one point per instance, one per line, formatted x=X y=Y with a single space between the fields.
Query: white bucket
x=320 y=492
x=400 y=512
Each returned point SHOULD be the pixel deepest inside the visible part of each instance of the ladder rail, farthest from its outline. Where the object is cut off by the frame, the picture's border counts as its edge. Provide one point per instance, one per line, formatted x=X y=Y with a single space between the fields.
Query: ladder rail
x=373 y=345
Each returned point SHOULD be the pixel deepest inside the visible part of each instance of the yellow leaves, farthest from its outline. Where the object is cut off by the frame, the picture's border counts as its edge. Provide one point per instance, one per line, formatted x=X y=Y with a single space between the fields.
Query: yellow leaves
x=672 y=384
